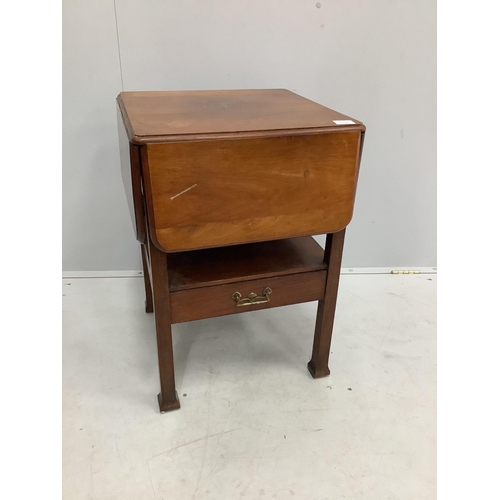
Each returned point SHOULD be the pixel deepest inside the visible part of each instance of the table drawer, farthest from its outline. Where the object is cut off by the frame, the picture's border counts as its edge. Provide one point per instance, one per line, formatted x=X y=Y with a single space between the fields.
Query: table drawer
x=213 y=193
x=221 y=300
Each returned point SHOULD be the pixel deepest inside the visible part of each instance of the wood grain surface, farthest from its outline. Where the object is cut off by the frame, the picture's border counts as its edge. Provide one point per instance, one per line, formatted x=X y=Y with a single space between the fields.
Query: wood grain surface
x=215 y=193
x=208 y=302
x=217 y=266
x=204 y=114
x=130 y=162
x=318 y=365
x=167 y=398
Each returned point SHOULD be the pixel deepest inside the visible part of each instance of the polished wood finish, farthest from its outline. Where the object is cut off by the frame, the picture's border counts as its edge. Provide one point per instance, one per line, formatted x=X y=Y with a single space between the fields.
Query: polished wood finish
x=130 y=160
x=219 y=266
x=211 y=194
x=151 y=117
x=318 y=366
x=209 y=302
x=147 y=281
x=167 y=399
x=225 y=190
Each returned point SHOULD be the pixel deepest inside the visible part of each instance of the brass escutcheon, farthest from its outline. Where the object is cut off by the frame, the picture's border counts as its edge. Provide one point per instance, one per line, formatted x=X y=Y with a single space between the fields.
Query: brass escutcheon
x=252 y=298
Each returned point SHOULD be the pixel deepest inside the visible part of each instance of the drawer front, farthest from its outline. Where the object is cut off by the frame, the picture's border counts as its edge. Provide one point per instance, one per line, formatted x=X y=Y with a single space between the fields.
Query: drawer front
x=225 y=192
x=200 y=303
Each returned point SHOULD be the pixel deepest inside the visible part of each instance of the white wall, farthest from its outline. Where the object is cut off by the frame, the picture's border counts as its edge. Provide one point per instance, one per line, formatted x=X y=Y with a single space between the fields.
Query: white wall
x=373 y=60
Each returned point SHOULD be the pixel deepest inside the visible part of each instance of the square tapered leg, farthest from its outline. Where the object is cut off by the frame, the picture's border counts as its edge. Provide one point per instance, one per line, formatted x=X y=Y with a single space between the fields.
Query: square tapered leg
x=167 y=398
x=318 y=366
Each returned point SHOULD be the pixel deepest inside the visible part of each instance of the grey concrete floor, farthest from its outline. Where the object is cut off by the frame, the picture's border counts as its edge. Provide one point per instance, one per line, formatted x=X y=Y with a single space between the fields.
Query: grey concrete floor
x=253 y=423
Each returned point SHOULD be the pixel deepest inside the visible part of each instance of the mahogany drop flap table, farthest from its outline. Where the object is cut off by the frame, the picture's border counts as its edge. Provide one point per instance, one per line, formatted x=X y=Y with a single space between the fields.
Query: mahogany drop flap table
x=226 y=189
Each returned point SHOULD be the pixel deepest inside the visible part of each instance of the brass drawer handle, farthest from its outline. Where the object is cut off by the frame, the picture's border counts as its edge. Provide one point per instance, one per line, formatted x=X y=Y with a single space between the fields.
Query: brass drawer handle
x=252 y=298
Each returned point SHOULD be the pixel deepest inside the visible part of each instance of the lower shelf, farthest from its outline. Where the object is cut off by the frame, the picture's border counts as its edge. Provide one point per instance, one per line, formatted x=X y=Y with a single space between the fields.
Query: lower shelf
x=216 y=266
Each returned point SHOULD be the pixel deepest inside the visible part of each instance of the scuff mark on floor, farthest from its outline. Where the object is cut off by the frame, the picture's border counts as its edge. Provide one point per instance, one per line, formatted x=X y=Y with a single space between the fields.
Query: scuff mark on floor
x=191 y=442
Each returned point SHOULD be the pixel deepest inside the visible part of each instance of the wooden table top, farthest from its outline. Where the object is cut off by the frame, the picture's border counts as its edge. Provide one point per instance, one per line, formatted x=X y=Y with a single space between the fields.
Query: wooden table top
x=215 y=114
